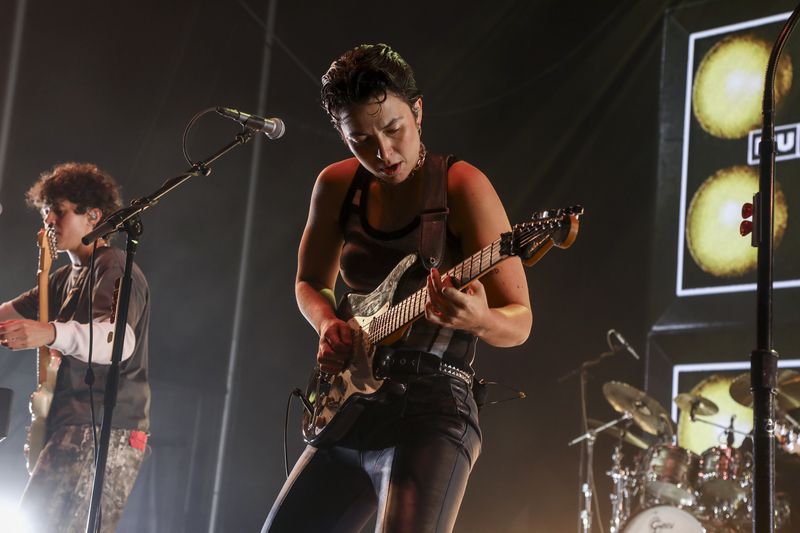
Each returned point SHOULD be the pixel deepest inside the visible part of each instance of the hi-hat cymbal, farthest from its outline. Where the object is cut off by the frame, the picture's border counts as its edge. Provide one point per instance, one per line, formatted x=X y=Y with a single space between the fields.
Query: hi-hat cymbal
x=617 y=432
x=646 y=412
x=788 y=397
x=694 y=402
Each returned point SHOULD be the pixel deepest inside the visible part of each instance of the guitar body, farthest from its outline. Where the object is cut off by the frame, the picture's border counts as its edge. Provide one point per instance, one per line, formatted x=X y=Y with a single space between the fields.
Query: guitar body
x=334 y=402
x=47 y=360
x=41 y=399
x=338 y=400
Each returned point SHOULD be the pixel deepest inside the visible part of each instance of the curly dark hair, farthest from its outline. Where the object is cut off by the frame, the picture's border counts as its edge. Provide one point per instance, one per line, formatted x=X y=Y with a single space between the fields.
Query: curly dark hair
x=83 y=184
x=366 y=73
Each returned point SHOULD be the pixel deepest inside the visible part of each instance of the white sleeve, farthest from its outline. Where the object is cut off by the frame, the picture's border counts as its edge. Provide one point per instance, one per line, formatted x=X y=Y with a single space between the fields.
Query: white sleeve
x=72 y=338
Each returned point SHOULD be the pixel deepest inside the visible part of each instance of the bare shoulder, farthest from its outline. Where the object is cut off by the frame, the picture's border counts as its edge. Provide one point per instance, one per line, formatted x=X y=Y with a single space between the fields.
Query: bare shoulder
x=338 y=175
x=476 y=210
x=332 y=184
x=465 y=178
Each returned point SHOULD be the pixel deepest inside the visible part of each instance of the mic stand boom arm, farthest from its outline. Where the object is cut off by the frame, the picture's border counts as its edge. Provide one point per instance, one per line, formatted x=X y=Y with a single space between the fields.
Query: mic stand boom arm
x=115 y=221
x=127 y=219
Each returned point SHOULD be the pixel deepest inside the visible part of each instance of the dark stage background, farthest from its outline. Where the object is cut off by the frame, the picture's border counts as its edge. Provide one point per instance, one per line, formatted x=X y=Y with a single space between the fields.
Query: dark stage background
x=557 y=102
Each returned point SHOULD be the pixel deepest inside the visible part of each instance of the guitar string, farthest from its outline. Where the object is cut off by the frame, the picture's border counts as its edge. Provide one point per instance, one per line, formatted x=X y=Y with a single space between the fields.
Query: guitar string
x=388 y=323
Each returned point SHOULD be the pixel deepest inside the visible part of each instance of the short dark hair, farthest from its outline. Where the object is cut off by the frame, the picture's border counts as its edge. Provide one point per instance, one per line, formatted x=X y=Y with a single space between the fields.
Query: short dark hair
x=365 y=73
x=83 y=184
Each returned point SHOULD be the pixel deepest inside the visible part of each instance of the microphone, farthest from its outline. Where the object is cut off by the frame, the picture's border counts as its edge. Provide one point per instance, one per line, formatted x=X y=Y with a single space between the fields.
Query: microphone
x=273 y=128
x=623 y=343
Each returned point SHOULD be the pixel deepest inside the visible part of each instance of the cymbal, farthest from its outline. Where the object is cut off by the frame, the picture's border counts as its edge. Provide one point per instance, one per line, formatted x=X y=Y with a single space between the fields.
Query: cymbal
x=617 y=432
x=788 y=396
x=702 y=406
x=646 y=412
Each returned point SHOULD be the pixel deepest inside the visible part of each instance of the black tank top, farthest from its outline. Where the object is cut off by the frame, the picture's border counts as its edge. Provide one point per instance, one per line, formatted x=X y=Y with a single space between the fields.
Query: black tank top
x=369 y=255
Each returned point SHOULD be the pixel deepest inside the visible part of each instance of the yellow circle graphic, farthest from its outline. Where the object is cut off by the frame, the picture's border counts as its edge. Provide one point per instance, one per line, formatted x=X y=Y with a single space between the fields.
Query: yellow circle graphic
x=729 y=85
x=715 y=213
x=698 y=436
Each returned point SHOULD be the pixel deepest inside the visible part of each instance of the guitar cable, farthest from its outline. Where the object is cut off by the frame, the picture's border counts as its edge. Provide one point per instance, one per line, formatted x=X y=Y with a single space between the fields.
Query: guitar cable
x=298 y=393
x=481 y=393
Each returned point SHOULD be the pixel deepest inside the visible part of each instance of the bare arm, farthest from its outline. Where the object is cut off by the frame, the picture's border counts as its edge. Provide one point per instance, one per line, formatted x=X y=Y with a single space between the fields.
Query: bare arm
x=497 y=309
x=7 y=312
x=318 y=265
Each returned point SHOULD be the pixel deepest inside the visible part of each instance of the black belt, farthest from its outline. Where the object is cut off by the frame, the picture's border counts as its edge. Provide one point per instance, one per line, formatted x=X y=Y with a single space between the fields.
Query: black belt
x=399 y=365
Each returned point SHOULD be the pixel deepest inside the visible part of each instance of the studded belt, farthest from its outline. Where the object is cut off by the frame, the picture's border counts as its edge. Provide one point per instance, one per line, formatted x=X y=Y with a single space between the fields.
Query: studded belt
x=399 y=365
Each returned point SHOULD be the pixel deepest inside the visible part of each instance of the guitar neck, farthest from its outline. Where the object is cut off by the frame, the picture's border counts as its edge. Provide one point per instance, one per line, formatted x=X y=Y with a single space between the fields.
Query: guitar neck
x=43 y=352
x=528 y=240
x=413 y=307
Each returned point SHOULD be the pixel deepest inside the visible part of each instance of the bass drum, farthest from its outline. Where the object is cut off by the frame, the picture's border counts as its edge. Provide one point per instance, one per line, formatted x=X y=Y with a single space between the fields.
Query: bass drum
x=663 y=518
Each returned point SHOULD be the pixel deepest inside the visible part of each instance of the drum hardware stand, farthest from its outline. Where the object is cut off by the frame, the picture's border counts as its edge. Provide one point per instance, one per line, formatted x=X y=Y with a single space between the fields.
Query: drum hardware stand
x=729 y=429
x=620 y=497
x=587 y=483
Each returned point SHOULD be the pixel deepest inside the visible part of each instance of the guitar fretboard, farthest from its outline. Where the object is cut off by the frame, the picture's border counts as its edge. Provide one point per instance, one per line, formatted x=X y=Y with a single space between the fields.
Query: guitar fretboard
x=413 y=306
x=528 y=236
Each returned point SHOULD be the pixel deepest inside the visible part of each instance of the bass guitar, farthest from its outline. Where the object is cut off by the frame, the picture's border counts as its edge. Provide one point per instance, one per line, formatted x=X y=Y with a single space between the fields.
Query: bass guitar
x=47 y=360
x=333 y=402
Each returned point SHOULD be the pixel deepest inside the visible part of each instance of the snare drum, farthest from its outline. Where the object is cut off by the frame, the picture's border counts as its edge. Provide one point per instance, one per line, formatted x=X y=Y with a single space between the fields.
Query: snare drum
x=724 y=472
x=667 y=473
x=663 y=518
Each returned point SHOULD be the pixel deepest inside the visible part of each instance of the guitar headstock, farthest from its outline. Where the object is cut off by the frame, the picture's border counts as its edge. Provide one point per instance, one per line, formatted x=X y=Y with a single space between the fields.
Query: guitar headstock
x=553 y=227
x=46 y=241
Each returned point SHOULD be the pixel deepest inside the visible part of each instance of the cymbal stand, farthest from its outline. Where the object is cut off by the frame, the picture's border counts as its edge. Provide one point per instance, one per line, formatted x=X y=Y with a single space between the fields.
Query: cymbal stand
x=585 y=516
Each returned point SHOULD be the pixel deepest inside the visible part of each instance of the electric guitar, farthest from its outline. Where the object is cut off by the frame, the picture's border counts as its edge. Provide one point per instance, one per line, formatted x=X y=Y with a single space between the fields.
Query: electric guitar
x=47 y=360
x=333 y=402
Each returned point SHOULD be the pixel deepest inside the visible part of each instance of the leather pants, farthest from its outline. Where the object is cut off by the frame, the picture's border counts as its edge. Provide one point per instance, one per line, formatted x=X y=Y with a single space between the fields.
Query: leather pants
x=408 y=460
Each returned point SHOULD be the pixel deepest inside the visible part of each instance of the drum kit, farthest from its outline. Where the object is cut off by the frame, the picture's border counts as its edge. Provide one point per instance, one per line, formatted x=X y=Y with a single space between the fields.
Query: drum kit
x=667 y=487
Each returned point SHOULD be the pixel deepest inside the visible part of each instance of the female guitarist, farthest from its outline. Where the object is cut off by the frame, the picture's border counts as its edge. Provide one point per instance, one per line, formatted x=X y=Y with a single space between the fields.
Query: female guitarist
x=73 y=198
x=408 y=456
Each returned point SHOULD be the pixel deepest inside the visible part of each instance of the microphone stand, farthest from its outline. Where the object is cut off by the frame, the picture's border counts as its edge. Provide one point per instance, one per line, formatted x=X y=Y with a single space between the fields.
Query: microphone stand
x=764 y=360
x=127 y=219
x=586 y=474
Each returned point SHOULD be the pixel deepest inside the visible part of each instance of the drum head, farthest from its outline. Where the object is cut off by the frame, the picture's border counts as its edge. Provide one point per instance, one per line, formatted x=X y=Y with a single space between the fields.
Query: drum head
x=663 y=518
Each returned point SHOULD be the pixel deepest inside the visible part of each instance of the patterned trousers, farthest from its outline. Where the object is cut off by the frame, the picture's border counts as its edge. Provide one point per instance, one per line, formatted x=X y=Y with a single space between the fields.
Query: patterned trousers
x=59 y=491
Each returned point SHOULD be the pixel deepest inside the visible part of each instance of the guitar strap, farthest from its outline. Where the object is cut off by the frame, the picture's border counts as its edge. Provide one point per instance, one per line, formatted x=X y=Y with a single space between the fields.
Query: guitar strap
x=433 y=218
